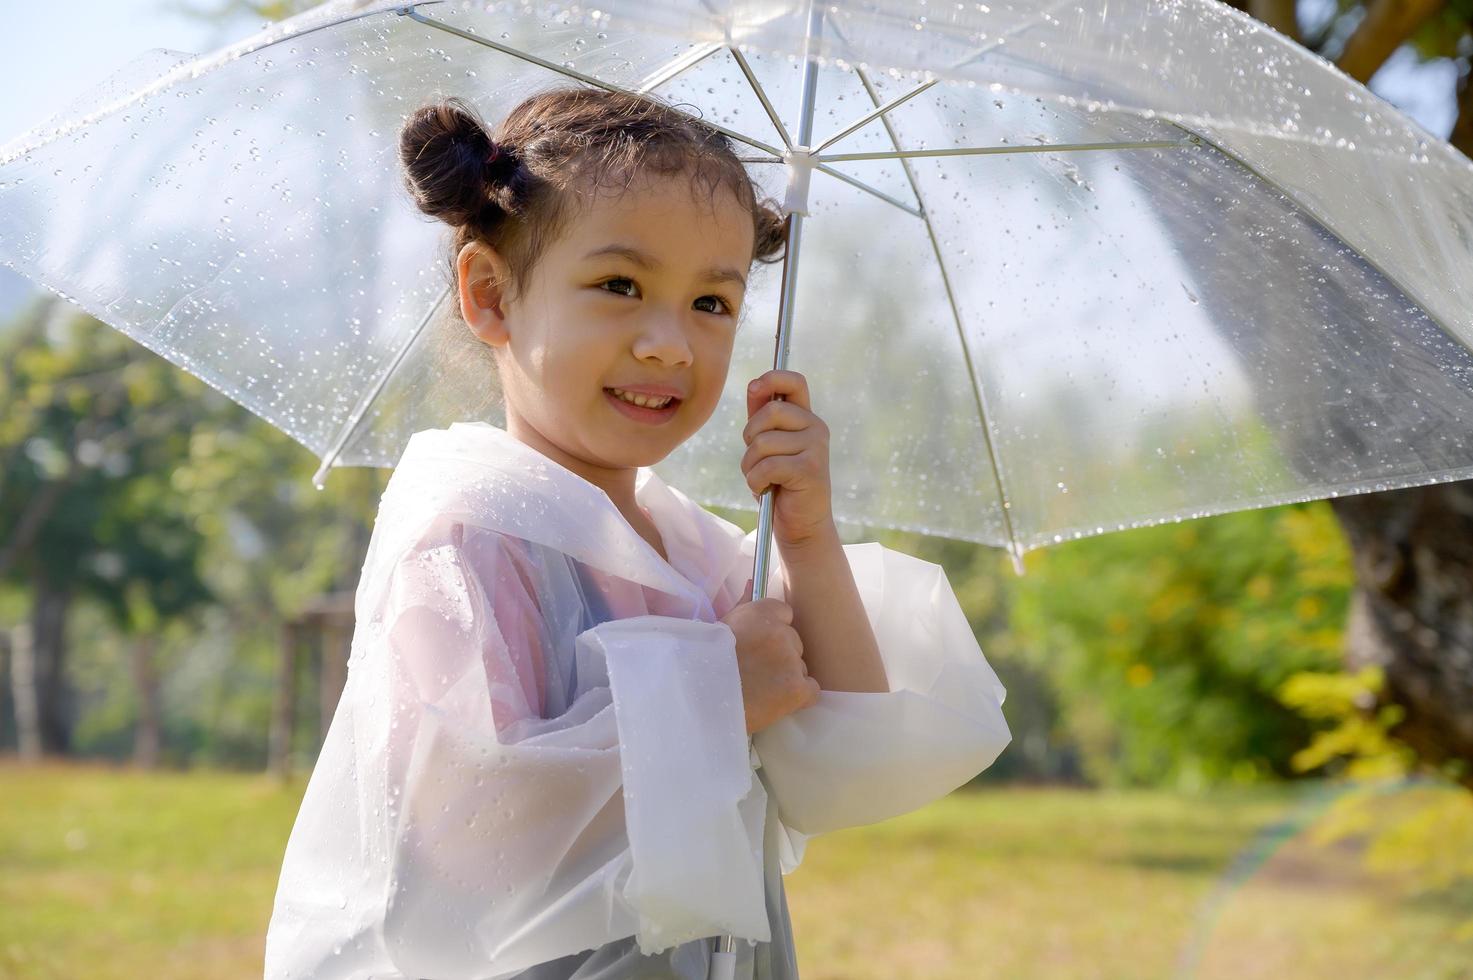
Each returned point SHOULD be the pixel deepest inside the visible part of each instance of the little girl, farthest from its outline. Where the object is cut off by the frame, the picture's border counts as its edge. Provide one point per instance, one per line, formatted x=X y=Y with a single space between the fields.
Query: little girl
x=570 y=745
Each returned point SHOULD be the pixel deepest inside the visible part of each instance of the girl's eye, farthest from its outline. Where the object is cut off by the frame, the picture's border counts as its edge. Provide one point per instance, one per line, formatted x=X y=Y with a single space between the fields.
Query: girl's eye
x=717 y=304
x=622 y=286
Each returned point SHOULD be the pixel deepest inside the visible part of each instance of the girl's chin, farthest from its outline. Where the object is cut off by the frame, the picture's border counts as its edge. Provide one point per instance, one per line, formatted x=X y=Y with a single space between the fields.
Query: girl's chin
x=642 y=447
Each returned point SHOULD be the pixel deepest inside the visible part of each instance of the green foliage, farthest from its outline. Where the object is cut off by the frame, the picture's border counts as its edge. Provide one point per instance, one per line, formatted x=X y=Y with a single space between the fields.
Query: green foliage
x=1427 y=840
x=1445 y=33
x=162 y=508
x=1168 y=644
x=89 y=420
x=1357 y=741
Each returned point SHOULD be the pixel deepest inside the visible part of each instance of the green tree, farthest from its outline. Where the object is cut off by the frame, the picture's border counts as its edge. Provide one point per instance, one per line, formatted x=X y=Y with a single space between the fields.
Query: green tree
x=88 y=418
x=1359 y=36
x=1408 y=619
x=178 y=519
x=1168 y=644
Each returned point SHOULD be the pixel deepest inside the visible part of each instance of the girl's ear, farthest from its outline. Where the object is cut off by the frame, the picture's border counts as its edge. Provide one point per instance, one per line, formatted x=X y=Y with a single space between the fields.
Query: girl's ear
x=484 y=274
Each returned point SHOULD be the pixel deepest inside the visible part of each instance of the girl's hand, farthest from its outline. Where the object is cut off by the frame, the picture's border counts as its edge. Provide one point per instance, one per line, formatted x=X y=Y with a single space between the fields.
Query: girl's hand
x=788 y=446
x=769 y=654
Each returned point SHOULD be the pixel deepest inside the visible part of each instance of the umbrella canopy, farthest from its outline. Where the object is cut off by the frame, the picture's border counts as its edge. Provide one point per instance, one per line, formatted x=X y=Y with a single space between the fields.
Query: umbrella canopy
x=1066 y=268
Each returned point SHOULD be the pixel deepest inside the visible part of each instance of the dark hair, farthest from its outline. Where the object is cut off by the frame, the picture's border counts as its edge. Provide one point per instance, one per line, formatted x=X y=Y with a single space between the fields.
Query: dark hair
x=515 y=187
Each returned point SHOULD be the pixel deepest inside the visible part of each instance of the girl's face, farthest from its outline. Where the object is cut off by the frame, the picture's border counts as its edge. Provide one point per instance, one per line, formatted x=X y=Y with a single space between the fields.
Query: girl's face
x=641 y=291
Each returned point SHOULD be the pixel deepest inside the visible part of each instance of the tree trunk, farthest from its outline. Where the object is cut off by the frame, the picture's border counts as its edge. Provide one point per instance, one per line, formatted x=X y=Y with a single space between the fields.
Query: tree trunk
x=53 y=695
x=284 y=711
x=1278 y=14
x=1385 y=27
x=7 y=704
x=147 y=736
x=1412 y=611
x=23 y=694
x=1412 y=608
x=1462 y=134
x=333 y=638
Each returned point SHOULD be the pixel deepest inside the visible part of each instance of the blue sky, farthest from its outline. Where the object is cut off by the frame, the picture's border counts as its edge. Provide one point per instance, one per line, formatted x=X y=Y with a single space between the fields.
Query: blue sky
x=46 y=62
x=53 y=61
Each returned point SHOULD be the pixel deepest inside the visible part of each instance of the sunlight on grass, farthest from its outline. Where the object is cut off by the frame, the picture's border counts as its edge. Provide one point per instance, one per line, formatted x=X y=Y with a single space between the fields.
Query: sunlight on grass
x=109 y=874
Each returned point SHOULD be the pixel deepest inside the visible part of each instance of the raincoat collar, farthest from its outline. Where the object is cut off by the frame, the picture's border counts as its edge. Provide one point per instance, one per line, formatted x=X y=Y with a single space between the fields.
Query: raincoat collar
x=556 y=507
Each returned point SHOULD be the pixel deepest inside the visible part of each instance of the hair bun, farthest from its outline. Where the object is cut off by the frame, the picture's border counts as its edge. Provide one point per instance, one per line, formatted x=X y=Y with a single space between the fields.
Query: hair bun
x=501 y=163
x=452 y=167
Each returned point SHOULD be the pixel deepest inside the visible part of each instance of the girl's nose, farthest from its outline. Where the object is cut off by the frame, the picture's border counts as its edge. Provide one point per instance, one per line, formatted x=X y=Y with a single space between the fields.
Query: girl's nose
x=663 y=337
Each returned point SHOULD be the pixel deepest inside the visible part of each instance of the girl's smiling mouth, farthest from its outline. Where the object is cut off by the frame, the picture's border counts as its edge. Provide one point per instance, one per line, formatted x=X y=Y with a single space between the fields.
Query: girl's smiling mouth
x=657 y=408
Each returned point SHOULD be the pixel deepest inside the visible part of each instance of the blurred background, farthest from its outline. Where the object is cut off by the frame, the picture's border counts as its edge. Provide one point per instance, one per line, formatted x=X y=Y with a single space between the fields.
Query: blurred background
x=1241 y=743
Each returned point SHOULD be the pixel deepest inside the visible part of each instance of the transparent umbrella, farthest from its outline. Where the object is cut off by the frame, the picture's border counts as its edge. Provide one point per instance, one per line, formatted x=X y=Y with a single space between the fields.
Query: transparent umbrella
x=1056 y=269
x=1066 y=268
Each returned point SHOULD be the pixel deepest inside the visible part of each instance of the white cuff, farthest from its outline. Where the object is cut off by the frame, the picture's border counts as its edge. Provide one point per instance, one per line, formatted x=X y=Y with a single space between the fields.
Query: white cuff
x=687 y=764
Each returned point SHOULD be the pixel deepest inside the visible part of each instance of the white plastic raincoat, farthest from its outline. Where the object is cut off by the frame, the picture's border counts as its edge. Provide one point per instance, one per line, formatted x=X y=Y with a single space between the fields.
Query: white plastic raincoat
x=539 y=767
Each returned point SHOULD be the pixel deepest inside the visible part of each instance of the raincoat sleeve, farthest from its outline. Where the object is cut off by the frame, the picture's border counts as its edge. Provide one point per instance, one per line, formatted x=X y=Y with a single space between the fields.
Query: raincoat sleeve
x=856 y=758
x=511 y=838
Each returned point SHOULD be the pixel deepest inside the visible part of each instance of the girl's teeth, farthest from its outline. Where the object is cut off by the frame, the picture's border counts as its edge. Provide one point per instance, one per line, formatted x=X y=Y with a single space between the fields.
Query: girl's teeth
x=643 y=401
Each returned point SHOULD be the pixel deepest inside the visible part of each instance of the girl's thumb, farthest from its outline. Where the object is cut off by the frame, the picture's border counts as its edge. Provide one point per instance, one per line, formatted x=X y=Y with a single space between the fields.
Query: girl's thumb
x=747 y=592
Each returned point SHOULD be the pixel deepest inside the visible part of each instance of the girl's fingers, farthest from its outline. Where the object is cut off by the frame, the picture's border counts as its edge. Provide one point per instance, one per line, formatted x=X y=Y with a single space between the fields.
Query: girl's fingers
x=790 y=384
x=759 y=476
x=775 y=442
x=786 y=471
x=781 y=415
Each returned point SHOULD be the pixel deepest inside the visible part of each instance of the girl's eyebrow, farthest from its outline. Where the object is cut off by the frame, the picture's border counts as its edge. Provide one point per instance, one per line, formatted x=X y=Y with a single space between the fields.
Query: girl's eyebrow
x=646 y=261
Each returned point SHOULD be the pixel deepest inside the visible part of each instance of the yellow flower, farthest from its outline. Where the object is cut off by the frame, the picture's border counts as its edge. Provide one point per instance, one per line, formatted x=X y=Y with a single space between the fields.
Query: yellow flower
x=1260 y=586
x=1308 y=607
x=1139 y=674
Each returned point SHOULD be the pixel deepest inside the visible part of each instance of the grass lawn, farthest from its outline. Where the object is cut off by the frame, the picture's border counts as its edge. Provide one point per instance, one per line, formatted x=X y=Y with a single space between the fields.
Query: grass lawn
x=110 y=874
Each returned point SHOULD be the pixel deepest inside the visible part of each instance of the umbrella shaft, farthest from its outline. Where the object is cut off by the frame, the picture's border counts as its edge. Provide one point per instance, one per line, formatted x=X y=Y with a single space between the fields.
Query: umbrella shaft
x=779 y=362
x=723 y=958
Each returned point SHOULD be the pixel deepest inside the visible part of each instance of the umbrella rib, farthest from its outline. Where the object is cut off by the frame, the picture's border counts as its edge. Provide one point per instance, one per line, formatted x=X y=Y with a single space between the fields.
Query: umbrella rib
x=1014 y=551
x=961 y=151
x=852 y=181
x=839 y=175
x=690 y=59
x=1309 y=213
x=355 y=418
x=570 y=73
x=1001 y=39
x=878 y=113
x=777 y=123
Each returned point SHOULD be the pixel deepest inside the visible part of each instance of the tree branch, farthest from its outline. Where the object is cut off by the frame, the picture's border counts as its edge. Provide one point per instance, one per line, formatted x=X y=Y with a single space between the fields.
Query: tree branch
x=1278 y=14
x=1385 y=27
x=1462 y=134
x=104 y=406
x=42 y=503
